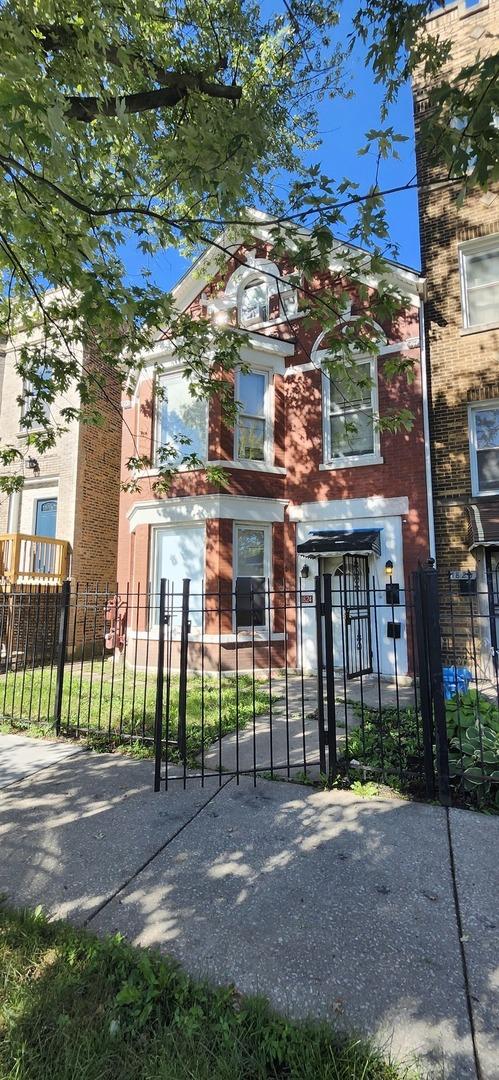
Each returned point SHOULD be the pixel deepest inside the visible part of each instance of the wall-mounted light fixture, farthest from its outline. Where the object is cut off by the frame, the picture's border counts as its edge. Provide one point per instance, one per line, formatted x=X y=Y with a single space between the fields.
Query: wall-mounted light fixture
x=389 y=567
x=305 y=571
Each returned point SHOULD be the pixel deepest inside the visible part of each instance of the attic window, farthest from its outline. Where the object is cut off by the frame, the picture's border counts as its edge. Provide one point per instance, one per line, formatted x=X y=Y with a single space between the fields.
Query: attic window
x=255 y=302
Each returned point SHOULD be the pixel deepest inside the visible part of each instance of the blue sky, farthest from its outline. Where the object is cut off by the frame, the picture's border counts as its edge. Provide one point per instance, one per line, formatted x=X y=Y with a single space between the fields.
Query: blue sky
x=342 y=126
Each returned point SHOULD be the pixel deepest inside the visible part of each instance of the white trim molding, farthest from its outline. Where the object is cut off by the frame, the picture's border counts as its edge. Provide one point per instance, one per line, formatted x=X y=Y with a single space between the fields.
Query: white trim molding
x=191 y=508
x=344 y=509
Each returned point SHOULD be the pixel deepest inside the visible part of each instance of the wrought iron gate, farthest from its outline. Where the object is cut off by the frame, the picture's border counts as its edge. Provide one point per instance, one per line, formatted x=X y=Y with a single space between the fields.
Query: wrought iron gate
x=357 y=612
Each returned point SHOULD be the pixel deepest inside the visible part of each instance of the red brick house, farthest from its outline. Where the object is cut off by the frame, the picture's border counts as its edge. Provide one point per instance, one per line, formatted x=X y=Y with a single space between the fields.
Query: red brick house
x=307 y=493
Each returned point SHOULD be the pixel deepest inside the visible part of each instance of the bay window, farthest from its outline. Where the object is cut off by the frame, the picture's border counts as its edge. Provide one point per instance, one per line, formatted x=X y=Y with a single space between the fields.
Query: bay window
x=252 y=573
x=181 y=419
x=252 y=427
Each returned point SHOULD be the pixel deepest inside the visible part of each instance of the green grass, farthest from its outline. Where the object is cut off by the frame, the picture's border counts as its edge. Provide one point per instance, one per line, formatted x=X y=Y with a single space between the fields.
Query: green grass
x=107 y=704
x=73 y=1007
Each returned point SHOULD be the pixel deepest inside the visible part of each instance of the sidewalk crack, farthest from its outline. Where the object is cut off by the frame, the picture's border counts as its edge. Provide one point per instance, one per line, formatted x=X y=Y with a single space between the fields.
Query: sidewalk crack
x=460 y=932
x=140 y=869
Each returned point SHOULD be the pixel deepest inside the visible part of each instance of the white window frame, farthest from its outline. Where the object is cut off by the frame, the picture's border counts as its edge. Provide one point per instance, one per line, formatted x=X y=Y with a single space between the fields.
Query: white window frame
x=161 y=377
x=481 y=245
x=347 y=461
x=478 y=406
x=268 y=417
x=267 y=566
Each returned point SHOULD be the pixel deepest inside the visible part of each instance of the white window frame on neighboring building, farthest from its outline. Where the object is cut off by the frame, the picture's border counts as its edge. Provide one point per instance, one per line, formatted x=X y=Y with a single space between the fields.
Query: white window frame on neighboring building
x=252 y=526
x=347 y=461
x=268 y=417
x=478 y=246
x=163 y=377
x=479 y=406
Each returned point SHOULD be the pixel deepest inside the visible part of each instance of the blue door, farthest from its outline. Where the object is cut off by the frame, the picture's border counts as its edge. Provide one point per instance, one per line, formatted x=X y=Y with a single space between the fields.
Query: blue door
x=45 y=517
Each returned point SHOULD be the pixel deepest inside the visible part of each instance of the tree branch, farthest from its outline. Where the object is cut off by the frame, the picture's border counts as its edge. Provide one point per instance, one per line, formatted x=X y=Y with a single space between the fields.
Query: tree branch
x=176 y=87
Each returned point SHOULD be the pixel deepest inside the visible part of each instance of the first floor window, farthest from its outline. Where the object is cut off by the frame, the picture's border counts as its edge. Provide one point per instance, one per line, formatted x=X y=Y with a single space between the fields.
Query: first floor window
x=485 y=448
x=181 y=420
x=349 y=413
x=251 y=392
x=480 y=281
x=251 y=564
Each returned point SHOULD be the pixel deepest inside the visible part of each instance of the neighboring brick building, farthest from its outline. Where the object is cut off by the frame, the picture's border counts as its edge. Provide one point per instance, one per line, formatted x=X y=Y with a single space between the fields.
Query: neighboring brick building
x=70 y=493
x=460 y=261
x=294 y=469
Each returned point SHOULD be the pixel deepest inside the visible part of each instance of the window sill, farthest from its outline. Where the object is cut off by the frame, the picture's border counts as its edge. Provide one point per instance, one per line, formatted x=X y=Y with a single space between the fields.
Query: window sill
x=483 y=328
x=242 y=637
x=280 y=321
x=251 y=466
x=352 y=463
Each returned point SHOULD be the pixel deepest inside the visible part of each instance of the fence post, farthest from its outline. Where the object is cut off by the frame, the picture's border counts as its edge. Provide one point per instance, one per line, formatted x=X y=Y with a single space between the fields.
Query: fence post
x=424 y=682
x=430 y=610
x=320 y=676
x=62 y=641
x=329 y=657
x=182 y=685
x=160 y=674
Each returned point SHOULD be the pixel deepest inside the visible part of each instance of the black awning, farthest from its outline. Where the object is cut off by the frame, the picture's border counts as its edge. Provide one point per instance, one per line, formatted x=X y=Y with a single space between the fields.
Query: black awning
x=483 y=516
x=339 y=541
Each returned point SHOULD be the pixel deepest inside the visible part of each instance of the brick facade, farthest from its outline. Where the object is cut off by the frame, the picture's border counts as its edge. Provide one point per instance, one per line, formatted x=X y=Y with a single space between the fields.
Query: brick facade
x=463 y=363
x=82 y=472
x=389 y=490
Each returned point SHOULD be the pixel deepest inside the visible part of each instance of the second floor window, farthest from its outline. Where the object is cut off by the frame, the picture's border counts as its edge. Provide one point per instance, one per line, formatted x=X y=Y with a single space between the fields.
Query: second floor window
x=484 y=437
x=35 y=409
x=252 y=428
x=480 y=281
x=181 y=420
x=349 y=414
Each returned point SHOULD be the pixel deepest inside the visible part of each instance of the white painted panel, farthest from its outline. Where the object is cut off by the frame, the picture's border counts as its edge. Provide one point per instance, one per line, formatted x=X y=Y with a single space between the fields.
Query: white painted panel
x=178 y=554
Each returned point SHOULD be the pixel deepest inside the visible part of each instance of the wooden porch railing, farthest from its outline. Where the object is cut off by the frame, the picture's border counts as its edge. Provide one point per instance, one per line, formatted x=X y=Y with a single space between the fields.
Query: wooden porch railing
x=26 y=559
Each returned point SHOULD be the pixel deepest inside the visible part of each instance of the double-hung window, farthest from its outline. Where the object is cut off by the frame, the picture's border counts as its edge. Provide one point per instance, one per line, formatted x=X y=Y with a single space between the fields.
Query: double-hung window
x=484 y=440
x=251 y=572
x=479 y=261
x=349 y=406
x=253 y=427
x=181 y=421
x=35 y=408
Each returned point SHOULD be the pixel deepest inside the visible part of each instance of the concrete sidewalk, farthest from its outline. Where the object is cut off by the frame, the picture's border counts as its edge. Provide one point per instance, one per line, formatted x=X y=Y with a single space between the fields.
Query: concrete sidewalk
x=330 y=904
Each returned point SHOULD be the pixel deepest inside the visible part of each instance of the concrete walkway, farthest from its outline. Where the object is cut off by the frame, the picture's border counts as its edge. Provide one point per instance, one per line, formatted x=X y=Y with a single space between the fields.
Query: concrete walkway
x=380 y=915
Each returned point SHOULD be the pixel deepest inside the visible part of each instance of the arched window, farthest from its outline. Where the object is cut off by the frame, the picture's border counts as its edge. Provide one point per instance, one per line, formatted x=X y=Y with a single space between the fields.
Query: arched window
x=260 y=293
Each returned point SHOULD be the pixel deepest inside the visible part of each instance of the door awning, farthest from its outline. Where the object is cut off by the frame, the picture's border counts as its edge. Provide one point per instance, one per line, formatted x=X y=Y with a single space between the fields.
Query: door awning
x=341 y=541
x=483 y=516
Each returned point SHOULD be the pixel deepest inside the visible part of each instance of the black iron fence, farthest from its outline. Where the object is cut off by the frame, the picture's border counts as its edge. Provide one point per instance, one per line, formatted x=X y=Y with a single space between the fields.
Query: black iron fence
x=340 y=680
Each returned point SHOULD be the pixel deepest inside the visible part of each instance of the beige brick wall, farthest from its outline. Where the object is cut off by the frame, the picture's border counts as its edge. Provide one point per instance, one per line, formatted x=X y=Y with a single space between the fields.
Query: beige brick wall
x=464 y=364
x=82 y=471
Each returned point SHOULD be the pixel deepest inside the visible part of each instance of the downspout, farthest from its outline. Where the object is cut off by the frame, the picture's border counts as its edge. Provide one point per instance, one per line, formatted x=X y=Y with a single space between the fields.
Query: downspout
x=426 y=432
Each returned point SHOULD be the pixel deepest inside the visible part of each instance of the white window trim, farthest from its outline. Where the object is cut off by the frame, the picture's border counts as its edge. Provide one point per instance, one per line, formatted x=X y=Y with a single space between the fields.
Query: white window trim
x=478 y=406
x=267 y=566
x=268 y=417
x=480 y=245
x=163 y=376
x=348 y=461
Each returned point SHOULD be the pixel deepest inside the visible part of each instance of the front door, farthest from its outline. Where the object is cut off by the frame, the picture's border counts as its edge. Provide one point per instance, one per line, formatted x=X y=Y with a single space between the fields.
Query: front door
x=45 y=517
x=357 y=613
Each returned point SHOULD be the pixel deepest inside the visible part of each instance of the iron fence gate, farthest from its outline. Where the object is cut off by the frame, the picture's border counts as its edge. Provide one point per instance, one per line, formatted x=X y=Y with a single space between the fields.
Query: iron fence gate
x=256 y=681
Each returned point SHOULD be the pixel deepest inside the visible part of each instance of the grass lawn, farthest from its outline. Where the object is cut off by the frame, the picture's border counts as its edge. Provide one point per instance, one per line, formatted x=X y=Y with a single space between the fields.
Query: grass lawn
x=107 y=703
x=73 y=1007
